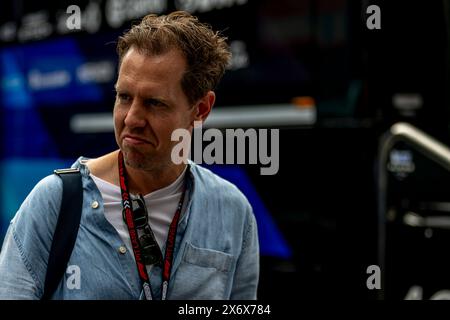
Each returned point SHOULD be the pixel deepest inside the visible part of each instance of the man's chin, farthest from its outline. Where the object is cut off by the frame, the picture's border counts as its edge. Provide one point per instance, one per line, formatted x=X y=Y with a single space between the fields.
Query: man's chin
x=134 y=157
x=141 y=161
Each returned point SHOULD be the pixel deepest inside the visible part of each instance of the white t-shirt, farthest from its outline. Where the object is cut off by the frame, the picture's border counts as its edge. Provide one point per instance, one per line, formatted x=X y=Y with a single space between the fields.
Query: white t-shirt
x=161 y=206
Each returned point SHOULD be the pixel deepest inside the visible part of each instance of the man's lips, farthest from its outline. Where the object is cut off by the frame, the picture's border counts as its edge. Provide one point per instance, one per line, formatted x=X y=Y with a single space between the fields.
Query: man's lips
x=135 y=140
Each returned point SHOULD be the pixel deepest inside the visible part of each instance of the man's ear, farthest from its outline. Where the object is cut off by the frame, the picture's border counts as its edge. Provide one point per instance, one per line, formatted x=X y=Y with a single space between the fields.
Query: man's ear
x=203 y=106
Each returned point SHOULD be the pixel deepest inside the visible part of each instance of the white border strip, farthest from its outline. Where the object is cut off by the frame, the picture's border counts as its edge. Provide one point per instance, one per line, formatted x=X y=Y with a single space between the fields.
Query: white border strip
x=260 y=116
x=221 y=117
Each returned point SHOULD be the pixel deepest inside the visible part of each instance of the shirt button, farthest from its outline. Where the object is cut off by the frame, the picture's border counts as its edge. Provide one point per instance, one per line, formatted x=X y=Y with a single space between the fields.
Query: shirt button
x=94 y=205
x=122 y=249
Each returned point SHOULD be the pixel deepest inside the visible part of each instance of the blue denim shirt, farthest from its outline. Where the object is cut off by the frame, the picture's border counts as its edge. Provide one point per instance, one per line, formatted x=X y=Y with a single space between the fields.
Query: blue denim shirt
x=216 y=247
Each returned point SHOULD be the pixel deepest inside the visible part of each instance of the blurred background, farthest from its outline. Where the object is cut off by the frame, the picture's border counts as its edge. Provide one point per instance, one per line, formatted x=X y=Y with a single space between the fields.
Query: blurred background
x=341 y=200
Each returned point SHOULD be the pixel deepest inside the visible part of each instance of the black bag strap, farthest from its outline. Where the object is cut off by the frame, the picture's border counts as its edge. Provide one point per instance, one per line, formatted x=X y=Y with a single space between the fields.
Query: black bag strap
x=66 y=229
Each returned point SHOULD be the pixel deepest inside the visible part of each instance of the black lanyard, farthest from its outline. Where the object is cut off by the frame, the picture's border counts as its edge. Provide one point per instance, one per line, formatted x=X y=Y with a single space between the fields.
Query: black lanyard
x=170 y=242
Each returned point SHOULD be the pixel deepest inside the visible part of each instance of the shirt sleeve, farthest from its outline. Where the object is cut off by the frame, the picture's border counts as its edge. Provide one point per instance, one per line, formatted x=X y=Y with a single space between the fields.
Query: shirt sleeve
x=26 y=247
x=16 y=280
x=246 y=277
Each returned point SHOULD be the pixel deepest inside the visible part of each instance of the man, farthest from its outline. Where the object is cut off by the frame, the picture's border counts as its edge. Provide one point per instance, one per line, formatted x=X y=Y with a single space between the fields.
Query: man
x=168 y=69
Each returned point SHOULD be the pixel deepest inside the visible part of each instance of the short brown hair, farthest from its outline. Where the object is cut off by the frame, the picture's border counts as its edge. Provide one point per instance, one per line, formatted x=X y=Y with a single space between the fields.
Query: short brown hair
x=207 y=53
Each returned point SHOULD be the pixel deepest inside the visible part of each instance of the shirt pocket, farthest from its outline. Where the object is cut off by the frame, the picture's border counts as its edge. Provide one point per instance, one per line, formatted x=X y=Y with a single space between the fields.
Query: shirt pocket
x=203 y=274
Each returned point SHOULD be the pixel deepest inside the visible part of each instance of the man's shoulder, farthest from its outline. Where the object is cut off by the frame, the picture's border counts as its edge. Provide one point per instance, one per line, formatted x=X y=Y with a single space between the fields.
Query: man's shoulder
x=99 y=167
x=48 y=184
x=217 y=187
x=211 y=180
x=47 y=192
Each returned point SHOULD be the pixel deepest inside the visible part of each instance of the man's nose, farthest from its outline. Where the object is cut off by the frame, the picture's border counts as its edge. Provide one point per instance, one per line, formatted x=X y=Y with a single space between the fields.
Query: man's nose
x=135 y=117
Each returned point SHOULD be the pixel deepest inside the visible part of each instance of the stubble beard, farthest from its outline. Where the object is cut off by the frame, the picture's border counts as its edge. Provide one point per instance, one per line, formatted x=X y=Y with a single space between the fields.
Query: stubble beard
x=148 y=162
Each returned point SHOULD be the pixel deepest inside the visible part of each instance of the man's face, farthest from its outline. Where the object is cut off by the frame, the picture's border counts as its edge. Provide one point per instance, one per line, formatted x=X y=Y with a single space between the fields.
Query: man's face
x=150 y=105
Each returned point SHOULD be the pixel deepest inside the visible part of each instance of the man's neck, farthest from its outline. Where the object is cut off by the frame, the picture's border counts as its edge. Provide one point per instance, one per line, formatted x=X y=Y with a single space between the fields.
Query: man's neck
x=140 y=181
x=143 y=182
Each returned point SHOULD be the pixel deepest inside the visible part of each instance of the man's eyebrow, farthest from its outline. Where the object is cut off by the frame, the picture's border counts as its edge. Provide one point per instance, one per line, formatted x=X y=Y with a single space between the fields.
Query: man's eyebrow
x=118 y=88
x=149 y=97
x=158 y=98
